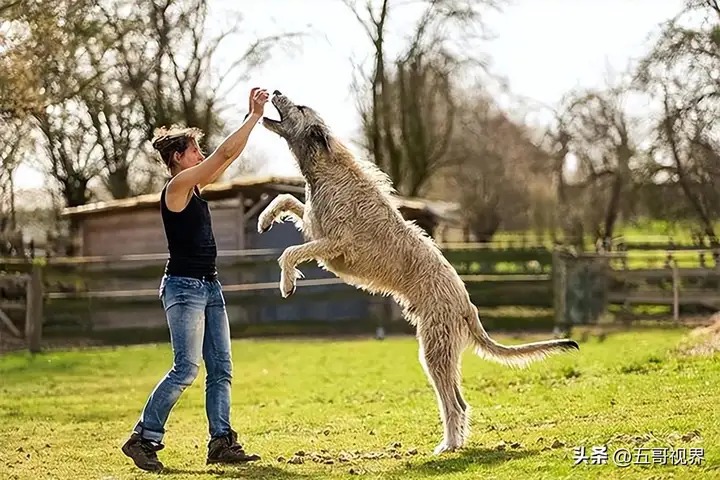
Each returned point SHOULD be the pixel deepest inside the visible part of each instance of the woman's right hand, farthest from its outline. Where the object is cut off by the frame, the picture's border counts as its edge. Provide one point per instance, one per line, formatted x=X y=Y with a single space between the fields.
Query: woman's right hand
x=258 y=99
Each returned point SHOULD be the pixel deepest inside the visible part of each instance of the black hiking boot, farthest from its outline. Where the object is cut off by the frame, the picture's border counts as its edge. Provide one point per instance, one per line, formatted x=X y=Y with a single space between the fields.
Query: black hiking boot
x=227 y=450
x=143 y=452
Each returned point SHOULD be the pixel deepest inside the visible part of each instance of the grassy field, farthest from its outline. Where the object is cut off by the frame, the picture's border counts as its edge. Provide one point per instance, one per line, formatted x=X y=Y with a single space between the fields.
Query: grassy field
x=642 y=230
x=363 y=407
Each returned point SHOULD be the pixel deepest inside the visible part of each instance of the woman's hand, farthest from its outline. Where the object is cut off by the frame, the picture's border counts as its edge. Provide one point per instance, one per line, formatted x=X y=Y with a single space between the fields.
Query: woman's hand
x=258 y=99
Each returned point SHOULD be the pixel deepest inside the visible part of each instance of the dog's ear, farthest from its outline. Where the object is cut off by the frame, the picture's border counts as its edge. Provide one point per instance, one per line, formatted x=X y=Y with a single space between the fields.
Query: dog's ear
x=320 y=135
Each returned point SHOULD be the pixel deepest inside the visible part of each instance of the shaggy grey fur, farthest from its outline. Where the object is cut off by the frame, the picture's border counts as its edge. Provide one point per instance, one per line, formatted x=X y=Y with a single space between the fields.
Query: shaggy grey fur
x=353 y=230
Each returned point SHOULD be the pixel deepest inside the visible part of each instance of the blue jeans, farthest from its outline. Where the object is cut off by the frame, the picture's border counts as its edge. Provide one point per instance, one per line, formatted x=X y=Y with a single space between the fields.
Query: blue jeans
x=199 y=328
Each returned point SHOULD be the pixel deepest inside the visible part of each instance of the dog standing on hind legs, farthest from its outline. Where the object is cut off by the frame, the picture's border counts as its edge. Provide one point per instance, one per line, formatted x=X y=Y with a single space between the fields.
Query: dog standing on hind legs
x=352 y=229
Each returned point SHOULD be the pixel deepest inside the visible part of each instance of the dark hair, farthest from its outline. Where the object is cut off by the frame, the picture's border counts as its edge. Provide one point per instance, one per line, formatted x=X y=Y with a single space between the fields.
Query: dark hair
x=167 y=141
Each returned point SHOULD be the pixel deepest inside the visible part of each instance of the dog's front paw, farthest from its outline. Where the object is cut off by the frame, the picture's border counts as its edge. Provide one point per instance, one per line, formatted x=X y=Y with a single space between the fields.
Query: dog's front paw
x=265 y=222
x=287 y=281
x=287 y=284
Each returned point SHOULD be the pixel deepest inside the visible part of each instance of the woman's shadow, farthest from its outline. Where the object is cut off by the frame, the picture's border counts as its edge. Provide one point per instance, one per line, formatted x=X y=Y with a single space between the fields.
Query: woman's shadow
x=238 y=471
x=433 y=467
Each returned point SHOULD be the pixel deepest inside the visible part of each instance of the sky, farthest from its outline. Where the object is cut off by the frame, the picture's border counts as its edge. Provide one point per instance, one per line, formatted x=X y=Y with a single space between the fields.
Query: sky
x=544 y=48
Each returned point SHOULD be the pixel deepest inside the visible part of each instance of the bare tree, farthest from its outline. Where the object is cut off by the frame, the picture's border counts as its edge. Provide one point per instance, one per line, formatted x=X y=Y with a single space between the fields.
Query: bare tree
x=497 y=174
x=420 y=119
x=603 y=139
x=53 y=42
x=410 y=97
x=163 y=73
x=557 y=142
x=13 y=144
x=124 y=75
x=71 y=153
x=111 y=110
x=167 y=56
x=687 y=151
x=44 y=48
x=682 y=72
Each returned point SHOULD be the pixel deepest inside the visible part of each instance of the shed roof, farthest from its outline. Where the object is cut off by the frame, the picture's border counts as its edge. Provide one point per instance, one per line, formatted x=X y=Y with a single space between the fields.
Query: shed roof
x=215 y=191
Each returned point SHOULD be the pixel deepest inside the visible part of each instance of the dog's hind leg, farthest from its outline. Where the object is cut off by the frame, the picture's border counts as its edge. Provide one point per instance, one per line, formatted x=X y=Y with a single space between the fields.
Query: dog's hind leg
x=466 y=413
x=280 y=206
x=439 y=355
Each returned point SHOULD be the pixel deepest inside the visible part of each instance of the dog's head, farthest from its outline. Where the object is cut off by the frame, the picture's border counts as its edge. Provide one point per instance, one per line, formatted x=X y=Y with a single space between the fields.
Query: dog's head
x=301 y=127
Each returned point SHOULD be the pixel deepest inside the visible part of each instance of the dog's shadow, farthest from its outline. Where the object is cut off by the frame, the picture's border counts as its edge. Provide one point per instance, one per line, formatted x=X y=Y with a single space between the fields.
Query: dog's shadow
x=239 y=472
x=448 y=463
x=461 y=460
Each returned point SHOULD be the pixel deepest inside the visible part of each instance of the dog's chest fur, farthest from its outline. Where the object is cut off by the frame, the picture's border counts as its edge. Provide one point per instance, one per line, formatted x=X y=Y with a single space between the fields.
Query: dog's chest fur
x=325 y=216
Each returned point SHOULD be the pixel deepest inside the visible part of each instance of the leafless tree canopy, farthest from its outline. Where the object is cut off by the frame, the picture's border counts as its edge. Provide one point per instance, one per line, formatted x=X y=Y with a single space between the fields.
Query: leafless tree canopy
x=407 y=103
x=683 y=72
x=417 y=131
x=13 y=145
x=85 y=83
x=90 y=80
x=603 y=140
x=500 y=178
x=97 y=77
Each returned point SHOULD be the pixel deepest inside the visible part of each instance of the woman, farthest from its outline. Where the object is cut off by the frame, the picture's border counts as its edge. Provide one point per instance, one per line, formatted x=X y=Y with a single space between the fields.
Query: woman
x=191 y=294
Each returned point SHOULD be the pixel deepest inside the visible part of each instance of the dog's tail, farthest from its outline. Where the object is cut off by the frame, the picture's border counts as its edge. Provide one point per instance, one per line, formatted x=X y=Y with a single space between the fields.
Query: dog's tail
x=514 y=355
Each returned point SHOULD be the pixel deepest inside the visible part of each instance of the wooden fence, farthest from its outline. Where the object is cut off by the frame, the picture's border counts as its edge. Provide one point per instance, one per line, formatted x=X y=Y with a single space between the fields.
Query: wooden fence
x=101 y=296
x=636 y=284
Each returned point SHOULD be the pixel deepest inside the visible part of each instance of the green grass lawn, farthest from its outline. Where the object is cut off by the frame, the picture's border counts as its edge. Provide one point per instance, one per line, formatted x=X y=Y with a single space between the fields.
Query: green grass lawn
x=640 y=230
x=346 y=403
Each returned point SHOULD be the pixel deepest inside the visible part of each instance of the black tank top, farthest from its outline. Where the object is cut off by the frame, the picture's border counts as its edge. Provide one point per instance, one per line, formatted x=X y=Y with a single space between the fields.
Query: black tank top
x=189 y=233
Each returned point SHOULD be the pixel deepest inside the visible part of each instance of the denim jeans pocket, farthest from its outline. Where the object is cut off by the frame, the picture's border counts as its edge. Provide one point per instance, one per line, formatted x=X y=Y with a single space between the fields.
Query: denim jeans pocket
x=217 y=298
x=177 y=284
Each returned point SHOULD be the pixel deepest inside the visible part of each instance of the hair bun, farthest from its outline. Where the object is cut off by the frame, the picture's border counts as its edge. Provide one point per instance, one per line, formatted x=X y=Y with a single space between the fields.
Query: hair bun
x=175 y=139
x=160 y=137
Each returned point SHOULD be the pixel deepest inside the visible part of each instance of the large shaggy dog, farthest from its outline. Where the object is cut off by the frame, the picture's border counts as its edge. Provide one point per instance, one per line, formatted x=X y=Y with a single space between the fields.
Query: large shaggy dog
x=353 y=230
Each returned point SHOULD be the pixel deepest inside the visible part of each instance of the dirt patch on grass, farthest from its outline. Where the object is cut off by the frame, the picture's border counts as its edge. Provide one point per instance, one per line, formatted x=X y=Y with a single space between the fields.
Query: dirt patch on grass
x=10 y=344
x=351 y=458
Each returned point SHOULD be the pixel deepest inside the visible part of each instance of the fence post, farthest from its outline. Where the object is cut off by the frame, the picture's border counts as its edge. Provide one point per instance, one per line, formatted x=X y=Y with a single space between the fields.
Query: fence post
x=558 y=275
x=378 y=309
x=676 y=291
x=34 y=312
